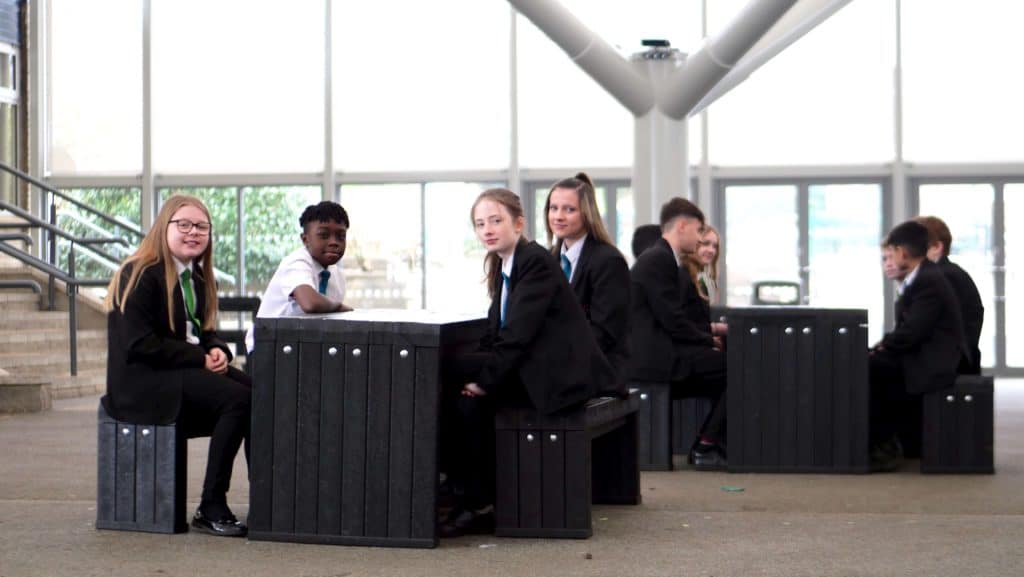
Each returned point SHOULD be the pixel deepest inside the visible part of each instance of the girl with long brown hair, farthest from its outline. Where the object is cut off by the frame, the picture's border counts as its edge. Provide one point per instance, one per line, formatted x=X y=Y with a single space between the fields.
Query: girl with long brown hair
x=538 y=351
x=596 y=270
x=165 y=362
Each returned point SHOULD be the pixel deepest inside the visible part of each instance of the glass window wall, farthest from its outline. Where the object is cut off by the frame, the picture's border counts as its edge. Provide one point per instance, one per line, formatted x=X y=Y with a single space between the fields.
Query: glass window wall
x=420 y=85
x=238 y=86
x=961 y=102
x=96 y=86
x=825 y=99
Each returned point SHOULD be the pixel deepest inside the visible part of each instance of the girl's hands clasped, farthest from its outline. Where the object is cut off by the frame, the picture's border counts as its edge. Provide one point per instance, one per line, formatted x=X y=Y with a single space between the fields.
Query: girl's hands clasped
x=217 y=361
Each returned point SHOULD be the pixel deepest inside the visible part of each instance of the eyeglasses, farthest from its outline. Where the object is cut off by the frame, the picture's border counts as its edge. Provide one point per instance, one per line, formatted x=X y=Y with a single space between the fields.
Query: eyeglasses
x=185 y=226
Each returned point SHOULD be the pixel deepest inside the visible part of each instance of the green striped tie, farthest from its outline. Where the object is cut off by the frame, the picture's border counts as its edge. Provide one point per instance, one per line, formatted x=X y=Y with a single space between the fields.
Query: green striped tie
x=190 y=300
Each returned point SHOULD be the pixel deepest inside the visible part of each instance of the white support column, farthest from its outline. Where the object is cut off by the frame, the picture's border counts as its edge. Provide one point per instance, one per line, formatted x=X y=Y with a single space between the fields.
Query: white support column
x=899 y=167
x=150 y=202
x=38 y=107
x=705 y=197
x=329 y=185
x=514 y=179
x=660 y=157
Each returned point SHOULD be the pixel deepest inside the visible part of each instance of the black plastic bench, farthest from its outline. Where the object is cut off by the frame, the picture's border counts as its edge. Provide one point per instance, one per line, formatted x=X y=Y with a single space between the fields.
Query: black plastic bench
x=957 y=428
x=141 y=476
x=551 y=468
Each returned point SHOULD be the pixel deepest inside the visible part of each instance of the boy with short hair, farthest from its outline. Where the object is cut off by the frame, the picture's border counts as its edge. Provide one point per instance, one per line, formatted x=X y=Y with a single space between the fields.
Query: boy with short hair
x=921 y=353
x=667 y=345
x=972 y=311
x=309 y=279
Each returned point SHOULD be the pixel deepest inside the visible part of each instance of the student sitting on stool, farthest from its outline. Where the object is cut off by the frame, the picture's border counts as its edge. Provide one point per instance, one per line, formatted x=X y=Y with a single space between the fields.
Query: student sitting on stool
x=667 y=345
x=940 y=240
x=165 y=363
x=538 y=352
x=921 y=353
x=596 y=270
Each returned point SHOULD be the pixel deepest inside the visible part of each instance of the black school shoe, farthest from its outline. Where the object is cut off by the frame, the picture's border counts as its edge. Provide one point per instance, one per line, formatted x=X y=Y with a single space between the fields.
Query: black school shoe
x=886 y=456
x=706 y=457
x=225 y=526
x=463 y=522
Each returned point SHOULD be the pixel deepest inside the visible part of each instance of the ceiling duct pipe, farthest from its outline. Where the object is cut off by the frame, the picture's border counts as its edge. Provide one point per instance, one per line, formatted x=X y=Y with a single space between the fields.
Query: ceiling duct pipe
x=591 y=53
x=797 y=22
x=705 y=68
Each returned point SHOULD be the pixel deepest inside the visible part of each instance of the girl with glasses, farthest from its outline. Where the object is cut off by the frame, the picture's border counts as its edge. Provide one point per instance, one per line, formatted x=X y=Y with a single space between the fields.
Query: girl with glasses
x=165 y=362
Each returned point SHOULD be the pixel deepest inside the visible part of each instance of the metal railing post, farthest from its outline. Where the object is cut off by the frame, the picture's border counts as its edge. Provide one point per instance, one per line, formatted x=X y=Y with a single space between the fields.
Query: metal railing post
x=72 y=289
x=51 y=240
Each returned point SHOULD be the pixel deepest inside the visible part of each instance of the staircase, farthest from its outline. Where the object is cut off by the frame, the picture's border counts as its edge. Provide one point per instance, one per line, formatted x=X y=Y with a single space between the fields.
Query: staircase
x=34 y=346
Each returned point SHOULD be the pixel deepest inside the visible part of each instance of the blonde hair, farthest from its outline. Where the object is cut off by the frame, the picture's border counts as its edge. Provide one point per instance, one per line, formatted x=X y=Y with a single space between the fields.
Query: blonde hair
x=585 y=193
x=152 y=250
x=712 y=268
x=511 y=202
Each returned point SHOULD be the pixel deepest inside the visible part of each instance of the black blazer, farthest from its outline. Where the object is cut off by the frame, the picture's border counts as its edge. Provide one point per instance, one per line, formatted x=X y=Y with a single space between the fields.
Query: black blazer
x=144 y=358
x=971 y=311
x=929 y=335
x=696 y=309
x=601 y=284
x=546 y=342
x=663 y=338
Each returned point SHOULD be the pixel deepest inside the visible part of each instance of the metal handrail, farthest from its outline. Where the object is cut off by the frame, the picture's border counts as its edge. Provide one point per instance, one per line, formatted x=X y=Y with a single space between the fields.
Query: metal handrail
x=33 y=222
x=71 y=284
x=131 y=227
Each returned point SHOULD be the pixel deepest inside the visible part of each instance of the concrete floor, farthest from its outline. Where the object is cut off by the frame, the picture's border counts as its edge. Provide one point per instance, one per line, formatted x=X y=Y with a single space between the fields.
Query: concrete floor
x=788 y=525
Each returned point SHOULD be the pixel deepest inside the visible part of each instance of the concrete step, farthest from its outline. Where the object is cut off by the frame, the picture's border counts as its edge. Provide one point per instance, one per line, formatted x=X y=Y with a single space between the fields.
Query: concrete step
x=12 y=341
x=19 y=299
x=86 y=382
x=53 y=362
x=21 y=320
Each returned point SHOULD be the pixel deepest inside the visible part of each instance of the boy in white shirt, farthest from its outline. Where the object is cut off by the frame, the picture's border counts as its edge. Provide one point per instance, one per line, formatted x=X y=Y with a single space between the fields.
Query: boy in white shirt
x=309 y=280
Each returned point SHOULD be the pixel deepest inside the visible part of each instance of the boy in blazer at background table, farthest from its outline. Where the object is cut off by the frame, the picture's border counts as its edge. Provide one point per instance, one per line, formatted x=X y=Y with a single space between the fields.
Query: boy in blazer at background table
x=667 y=345
x=922 y=352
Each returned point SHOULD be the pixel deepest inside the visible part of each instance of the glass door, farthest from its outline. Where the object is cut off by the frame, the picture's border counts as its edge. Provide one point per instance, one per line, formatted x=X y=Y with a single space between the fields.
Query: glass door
x=844 y=230
x=822 y=236
x=761 y=239
x=1011 y=297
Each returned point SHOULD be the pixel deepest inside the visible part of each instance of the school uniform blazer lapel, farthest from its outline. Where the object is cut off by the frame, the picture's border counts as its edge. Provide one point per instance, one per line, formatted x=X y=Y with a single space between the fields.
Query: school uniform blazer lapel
x=581 y=264
x=513 y=275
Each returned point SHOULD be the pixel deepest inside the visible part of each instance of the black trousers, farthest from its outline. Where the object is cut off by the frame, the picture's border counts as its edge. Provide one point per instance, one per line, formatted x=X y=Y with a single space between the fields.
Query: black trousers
x=707 y=379
x=218 y=406
x=467 y=430
x=894 y=411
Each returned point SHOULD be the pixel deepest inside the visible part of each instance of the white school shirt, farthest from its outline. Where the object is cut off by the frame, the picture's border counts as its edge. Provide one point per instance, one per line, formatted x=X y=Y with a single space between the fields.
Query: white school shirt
x=295 y=270
x=190 y=337
x=573 y=254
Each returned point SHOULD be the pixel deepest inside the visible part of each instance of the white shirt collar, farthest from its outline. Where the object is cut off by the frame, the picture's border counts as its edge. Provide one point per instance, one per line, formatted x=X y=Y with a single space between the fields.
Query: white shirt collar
x=316 y=263
x=506 y=265
x=180 y=266
x=909 y=279
x=573 y=252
